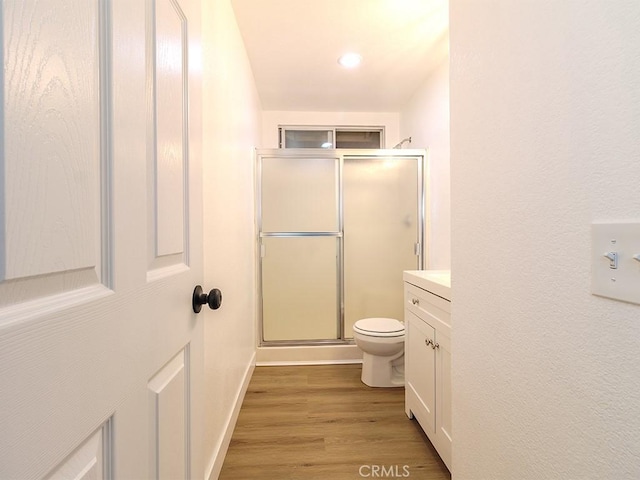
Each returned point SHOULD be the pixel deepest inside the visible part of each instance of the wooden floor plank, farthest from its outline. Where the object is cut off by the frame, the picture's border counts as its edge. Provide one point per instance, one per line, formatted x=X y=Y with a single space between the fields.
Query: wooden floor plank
x=322 y=422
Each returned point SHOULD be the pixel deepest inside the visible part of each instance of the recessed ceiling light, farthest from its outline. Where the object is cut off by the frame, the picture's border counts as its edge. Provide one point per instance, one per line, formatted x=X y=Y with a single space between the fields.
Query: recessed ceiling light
x=350 y=60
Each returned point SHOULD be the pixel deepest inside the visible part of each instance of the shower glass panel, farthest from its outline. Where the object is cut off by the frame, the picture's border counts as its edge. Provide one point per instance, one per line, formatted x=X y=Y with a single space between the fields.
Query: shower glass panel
x=299 y=195
x=381 y=229
x=299 y=288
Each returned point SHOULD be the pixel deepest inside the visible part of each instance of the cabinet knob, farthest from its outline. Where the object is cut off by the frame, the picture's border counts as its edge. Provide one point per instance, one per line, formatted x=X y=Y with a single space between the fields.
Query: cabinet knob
x=435 y=345
x=428 y=341
x=415 y=301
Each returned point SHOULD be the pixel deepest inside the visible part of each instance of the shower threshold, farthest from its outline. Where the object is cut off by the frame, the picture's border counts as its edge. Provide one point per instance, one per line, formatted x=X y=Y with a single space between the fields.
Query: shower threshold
x=308 y=354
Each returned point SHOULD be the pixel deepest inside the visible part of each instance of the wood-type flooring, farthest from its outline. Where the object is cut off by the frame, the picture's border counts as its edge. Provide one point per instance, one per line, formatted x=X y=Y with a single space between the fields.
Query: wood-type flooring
x=322 y=422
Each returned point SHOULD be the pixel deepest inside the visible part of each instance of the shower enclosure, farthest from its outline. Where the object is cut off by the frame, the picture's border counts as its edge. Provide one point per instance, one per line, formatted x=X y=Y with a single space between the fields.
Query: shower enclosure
x=336 y=230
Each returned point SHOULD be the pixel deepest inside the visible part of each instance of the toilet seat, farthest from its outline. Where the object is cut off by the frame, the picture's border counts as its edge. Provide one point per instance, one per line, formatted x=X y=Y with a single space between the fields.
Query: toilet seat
x=379 y=327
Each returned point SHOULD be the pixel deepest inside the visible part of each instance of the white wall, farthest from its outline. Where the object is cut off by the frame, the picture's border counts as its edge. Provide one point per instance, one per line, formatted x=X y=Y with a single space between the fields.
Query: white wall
x=231 y=117
x=426 y=120
x=545 y=115
x=271 y=120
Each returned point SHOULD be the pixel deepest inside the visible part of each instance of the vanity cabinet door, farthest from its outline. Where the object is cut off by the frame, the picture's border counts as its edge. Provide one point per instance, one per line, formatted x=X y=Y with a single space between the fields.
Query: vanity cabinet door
x=420 y=371
x=443 y=396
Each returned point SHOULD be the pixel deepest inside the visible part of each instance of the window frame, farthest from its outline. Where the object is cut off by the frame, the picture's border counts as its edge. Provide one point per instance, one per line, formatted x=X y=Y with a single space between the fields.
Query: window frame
x=332 y=134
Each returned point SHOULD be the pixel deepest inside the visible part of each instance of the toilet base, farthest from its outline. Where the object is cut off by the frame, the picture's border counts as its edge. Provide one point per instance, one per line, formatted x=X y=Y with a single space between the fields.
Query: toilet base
x=378 y=371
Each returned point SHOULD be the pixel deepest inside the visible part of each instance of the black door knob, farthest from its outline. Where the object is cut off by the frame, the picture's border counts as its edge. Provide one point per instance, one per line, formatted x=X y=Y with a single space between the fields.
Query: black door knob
x=199 y=298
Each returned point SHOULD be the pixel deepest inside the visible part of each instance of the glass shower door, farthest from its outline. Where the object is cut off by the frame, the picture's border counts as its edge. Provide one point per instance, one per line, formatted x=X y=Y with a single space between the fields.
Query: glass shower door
x=336 y=230
x=300 y=248
x=381 y=229
x=299 y=289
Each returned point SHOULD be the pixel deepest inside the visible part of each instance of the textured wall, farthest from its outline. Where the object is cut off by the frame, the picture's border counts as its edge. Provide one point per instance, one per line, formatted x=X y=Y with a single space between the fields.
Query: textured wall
x=545 y=115
x=426 y=120
x=231 y=118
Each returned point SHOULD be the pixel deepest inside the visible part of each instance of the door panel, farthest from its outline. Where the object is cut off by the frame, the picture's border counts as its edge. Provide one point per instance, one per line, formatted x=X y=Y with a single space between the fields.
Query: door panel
x=420 y=368
x=82 y=330
x=170 y=120
x=290 y=189
x=381 y=228
x=299 y=288
x=50 y=227
x=91 y=461
x=443 y=387
x=169 y=419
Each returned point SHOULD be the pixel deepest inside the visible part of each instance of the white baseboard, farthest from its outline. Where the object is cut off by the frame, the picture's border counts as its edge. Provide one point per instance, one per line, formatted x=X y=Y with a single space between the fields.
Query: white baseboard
x=308 y=355
x=217 y=460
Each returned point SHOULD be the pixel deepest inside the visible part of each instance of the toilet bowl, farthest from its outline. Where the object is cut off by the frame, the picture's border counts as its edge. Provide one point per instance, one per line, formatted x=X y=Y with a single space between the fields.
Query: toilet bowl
x=382 y=343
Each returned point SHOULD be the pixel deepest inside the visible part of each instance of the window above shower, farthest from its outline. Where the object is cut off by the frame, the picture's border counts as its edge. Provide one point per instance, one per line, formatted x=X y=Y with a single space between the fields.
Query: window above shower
x=330 y=137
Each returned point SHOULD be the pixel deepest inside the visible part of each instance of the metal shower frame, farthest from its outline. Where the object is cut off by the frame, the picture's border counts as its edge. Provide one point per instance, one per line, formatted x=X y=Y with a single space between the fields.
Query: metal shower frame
x=339 y=155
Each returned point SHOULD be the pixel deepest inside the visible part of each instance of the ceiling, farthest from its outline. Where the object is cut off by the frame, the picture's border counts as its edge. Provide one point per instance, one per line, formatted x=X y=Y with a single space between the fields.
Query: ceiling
x=294 y=45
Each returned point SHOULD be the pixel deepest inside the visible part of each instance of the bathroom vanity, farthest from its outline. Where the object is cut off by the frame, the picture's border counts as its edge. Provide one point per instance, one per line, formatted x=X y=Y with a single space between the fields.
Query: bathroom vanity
x=427 y=317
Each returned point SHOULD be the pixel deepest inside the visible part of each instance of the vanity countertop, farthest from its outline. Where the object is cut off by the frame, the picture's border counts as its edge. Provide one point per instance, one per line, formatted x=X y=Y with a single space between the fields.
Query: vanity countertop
x=437 y=282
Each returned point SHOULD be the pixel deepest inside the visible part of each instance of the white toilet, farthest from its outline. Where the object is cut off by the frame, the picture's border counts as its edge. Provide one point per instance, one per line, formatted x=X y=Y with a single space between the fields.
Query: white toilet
x=382 y=343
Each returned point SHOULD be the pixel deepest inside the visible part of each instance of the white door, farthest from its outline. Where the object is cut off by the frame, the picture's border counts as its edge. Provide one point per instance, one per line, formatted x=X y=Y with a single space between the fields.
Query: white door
x=100 y=239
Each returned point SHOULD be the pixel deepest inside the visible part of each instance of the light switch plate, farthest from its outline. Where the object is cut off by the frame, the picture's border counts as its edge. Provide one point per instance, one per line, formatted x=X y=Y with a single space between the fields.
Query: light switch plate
x=622 y=282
